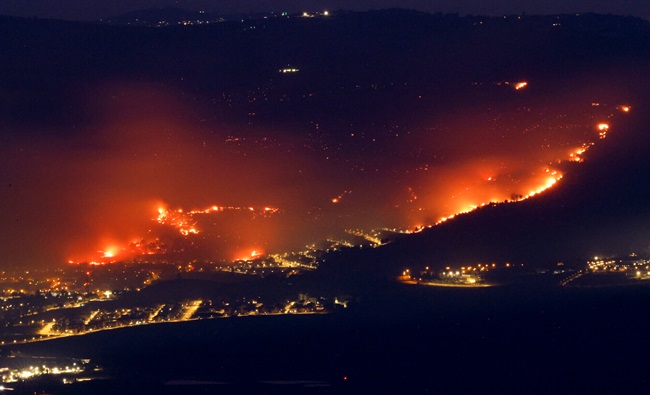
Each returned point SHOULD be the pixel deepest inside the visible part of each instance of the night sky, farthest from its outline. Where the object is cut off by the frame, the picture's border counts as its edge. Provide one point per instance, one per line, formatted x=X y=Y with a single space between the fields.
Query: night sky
x=88 y=10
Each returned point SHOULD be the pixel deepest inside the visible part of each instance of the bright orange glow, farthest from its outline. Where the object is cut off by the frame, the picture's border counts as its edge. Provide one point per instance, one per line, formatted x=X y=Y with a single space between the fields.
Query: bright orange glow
x=183 y=222
x=249 y=256
x=187 y=225
x=521 y=85
x=340 y=197
x=472 y=160
x=550 y=182
x=575 y=156
x=544 y=184
x=110 y=251
x=603 y=128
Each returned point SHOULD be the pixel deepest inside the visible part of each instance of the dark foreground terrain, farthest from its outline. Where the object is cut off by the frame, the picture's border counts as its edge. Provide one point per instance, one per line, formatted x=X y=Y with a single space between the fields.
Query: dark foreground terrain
x=511 y=339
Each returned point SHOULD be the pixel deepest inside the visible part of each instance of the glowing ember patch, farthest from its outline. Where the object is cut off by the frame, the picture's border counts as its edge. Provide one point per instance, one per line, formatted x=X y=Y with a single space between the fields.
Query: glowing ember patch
x=254 y=254
x=338 y=198
x=187 y=225
x=412 y=196
x=109 y=252
x=575 y=156
x=546 y=183
x=603 y=128
x=521 y=85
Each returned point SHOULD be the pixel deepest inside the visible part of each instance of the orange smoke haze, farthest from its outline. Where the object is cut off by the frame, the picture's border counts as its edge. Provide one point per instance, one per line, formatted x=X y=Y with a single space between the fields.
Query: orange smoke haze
x=146 y=170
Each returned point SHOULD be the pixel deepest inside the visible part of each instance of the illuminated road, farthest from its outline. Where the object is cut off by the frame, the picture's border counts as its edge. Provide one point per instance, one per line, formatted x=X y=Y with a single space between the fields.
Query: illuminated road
x=456 y=285
x=434 y=284
x=156 y=312
x=190 y=310
x=49 y=334
x=567 y=280
x=90 y=317
x=47 y=330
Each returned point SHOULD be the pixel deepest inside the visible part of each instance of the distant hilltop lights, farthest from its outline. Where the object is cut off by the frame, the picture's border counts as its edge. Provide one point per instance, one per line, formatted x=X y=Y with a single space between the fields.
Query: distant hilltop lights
x=314 y=14
x=289 y=70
